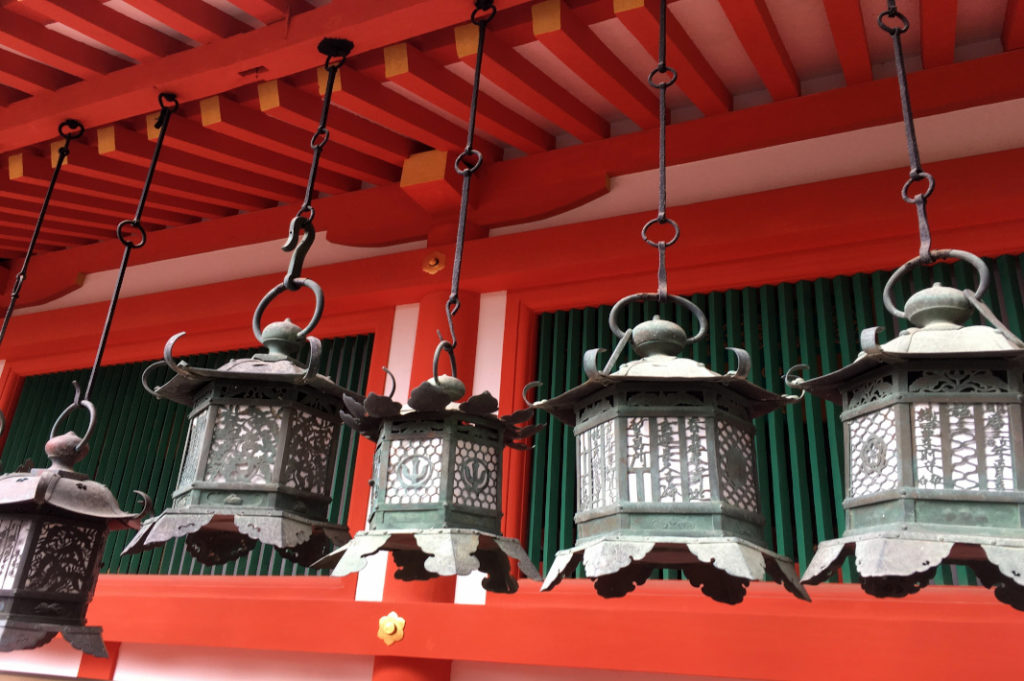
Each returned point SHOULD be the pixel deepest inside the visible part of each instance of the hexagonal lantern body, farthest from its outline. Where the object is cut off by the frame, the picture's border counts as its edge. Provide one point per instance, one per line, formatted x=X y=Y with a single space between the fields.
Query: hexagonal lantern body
x=438 y=472
x=53 y=526
x=669 y=460
x=666 y=473
x=258 y=460
x=934 y=452
x=436 y=497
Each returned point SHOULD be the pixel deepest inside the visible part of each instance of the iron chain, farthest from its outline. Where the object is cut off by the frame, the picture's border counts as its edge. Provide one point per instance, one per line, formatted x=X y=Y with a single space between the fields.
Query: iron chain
x=917 y=174
x=661 y=85
x=467 y=163
x=69 y=130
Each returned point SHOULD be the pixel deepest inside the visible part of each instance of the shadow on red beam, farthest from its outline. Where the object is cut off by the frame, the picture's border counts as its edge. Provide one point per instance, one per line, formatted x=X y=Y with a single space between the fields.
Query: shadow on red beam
x=669 y=627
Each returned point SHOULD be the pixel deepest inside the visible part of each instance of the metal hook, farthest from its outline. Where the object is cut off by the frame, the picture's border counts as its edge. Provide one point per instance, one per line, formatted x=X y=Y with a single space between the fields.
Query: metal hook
x=529 y=386
x=300 y=248
x=794 y=382
x=394 y=382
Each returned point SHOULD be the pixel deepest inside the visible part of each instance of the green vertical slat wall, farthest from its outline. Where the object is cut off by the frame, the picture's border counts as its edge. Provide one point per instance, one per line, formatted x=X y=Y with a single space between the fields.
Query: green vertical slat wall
x=799 y=448
x=138 y=441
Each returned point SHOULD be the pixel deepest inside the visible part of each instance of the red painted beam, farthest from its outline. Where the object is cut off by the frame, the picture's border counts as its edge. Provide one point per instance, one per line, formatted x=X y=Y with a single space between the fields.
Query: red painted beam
x=290 y=105
x=278 y=50
x=407 y=67
x=31 y=76
x=198 y=20
x=366 y=97
x=120 y=183
x=38 y=42
x=573 y=627
x=66 y=196
x=269 y=11
x=1013 y=25
x=696 y=78
x=847 y=24
x=201 y=143
x=938 y=32
x=16 y=230
x=260 y=131
x=204 y=176
x=86 y=222
x=561 y=31
x=759 y=36
x=106 y=26
x=516 y=75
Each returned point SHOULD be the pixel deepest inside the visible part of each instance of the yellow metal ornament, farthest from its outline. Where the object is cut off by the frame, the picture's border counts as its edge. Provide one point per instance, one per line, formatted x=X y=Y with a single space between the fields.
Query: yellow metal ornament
x=391 y=628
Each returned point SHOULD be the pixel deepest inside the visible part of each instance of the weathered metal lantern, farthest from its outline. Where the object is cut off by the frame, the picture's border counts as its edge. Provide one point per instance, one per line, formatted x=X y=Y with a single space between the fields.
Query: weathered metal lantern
x=259 y=456
x=435 y=501
x=263 y=431
x=666 y=476
x=53 y=526
x=934 y=449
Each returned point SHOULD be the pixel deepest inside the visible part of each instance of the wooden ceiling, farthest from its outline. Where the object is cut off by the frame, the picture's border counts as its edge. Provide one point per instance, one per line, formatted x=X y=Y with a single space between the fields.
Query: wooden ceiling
x=558 y=73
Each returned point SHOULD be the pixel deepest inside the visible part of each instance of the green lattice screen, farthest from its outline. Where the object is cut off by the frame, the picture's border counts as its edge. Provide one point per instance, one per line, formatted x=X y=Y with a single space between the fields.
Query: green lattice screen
x=138 y=444
x=799 y=449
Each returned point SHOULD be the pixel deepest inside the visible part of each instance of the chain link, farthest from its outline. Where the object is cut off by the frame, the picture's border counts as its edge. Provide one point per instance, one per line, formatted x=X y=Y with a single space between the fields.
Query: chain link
x=69 y=130
x=467 y=163
x=661 y=85
x=917 y=174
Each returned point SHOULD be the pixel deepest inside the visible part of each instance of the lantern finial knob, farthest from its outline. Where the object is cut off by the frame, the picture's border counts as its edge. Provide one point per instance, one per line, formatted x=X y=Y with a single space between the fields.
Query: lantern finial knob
x=659 y=336
x=66 y=450
x=938 y=306
x=282 y=338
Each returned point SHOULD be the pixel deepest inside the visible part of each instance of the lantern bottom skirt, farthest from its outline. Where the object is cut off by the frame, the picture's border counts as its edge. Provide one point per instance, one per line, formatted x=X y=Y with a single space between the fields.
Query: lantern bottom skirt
x=216 y=537
x=22 y=635
x=423 y=554
x=722 y=567
x=898 y=563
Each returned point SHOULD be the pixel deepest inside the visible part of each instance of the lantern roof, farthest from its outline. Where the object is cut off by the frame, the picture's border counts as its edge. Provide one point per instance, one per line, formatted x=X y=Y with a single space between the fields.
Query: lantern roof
x=659 y=369
x=937 y=315
x=276 y=366
x=61 y=488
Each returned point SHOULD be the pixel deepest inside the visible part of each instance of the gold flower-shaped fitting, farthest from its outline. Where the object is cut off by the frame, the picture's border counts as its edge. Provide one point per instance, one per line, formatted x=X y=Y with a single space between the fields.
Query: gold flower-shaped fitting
x=391 y=628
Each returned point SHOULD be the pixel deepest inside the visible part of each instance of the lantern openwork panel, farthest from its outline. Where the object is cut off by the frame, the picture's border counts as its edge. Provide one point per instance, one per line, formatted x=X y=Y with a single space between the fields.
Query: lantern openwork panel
x=438 y=472
x=936 y=442
x=666 y=461
x=48 y=566
x=253 y=445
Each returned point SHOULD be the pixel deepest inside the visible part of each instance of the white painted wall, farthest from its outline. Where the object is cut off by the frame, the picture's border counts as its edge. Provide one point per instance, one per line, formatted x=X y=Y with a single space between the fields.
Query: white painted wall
x=151 y=662
x=56 y=658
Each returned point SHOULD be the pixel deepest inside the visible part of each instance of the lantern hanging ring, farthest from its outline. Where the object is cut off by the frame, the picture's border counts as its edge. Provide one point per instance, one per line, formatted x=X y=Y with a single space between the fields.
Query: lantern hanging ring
x=77 y=403
x=318 y=311
x=702 y=319
x=979 y=266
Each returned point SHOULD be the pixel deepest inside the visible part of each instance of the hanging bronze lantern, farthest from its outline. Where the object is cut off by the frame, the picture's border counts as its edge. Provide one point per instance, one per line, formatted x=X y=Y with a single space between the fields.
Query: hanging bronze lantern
x=666 y=476
x=436 y=497
x=259 y=455
x=934 y=450
x=263 y=431
x=435 y=501
x=53 y=526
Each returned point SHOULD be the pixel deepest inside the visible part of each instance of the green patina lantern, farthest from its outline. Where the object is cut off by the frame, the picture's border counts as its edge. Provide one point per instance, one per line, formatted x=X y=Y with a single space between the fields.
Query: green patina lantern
x=53 y=526
x=259 y=456
x=435 y=499
x=934 y=448
x=666 y=475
